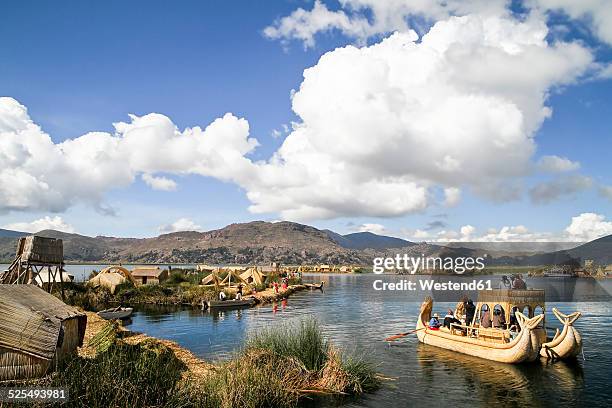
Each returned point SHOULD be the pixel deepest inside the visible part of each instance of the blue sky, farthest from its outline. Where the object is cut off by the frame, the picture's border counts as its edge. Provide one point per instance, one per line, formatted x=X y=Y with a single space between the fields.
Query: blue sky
x=80 y=67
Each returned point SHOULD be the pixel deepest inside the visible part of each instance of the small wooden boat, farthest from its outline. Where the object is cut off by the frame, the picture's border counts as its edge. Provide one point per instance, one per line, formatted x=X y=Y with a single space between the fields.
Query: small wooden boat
x=228 y=304
x=566 y=344
x=116 y=313
x=494 y=344
x=315 y=285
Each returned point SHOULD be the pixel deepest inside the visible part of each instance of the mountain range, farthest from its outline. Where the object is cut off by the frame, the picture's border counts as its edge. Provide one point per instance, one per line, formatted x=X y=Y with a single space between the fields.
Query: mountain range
x=289 y=243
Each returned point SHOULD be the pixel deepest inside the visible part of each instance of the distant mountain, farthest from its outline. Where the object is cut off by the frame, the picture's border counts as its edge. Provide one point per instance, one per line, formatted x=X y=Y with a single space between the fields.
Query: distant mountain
x=11 y=234
x=363 y=240
x=286 y=242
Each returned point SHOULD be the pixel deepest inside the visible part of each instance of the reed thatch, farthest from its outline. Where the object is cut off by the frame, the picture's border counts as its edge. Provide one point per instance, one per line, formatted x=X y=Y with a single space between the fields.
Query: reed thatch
x=36 y=330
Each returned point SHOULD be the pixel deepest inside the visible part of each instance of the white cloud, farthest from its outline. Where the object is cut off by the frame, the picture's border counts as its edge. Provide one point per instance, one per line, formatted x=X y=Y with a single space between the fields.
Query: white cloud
x=596 y=13
x=583 y=227
x=452 y=196
x=380 y=128
x=182 y=224
x=606 y=192
x=556 y=164
x=52 y=223
x=588 y=226
x=546 y=192
x=387 y=122
x=374 y=228
x=362 y=19
x=159 y=183
x=38 y=174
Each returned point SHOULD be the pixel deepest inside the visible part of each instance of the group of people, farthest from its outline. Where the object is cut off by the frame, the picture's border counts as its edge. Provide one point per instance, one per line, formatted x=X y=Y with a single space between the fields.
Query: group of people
x=223 y=296
x=462 y=315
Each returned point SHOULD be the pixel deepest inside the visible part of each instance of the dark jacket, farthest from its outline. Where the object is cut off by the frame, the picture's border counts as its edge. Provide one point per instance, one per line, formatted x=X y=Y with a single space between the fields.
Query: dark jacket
x=470 y=311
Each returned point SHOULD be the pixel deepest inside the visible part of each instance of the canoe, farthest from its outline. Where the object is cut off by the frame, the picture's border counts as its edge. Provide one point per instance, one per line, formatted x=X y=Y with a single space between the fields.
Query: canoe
x=525 y=347
x=116 y=313
x=225 y=304
x=566 y=344
x=315 y=285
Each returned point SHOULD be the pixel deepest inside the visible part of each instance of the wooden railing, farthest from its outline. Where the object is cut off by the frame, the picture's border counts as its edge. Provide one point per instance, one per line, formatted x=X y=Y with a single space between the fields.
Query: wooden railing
x=487 y=334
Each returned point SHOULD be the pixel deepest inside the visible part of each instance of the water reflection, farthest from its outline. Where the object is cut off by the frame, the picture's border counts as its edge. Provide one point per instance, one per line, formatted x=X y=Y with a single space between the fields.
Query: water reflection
x=354 y=318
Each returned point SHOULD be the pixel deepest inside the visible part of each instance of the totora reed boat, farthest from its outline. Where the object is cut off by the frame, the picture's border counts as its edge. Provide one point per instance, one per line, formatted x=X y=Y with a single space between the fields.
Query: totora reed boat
x=565 y=344
x=520 y=336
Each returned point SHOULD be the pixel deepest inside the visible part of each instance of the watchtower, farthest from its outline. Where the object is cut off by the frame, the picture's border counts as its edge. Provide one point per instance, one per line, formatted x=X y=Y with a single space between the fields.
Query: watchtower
x=39 y=260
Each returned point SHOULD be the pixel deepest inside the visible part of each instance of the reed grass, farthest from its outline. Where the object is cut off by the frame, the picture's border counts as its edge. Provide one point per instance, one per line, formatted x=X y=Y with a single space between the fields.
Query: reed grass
x=303 y=341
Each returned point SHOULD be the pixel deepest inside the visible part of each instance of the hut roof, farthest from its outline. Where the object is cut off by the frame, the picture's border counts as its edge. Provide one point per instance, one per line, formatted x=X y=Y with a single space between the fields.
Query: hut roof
x=149 y=272
x=30 y=320
x=514 y=296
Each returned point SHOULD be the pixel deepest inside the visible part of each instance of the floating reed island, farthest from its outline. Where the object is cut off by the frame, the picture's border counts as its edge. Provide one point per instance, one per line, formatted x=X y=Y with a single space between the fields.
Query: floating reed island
x=177 y=286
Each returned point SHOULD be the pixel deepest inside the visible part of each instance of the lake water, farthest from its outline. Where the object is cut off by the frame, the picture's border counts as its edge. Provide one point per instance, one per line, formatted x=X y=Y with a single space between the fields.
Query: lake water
x=358 y=319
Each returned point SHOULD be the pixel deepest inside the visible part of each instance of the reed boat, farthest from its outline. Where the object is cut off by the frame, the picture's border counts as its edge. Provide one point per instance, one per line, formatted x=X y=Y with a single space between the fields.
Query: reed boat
x=519 y=345
x=227 y=304
x=315 y=285
x=565 y=344
x=116 y=313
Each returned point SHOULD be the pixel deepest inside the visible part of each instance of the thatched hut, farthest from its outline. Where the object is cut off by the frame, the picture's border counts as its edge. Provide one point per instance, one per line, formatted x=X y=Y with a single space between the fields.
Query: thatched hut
x=253 y=277
x=111 y=277
x=149 y=275
x=37 y=331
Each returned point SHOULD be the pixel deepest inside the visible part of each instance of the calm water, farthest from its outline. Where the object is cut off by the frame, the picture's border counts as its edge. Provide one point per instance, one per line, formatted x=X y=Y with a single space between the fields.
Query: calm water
x=357 y=319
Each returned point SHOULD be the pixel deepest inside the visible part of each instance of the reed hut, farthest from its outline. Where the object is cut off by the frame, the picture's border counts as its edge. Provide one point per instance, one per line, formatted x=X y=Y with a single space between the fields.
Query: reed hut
x=253 y=277
x=111 y=277
x=37 y=331
x=149 y=275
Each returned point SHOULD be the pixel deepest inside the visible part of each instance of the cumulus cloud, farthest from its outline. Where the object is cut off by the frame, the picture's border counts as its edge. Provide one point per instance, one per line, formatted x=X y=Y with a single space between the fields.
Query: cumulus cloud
x=556 y=164
x=159 y=183
x=588 y=226
x=362 y=19
x=583 y=227
x=380 y=128
x=456 y=108
x=596 y=13
x=374 y=228
x=546 y=192
x=45 y=223
x=38 y=174
x=182 y=224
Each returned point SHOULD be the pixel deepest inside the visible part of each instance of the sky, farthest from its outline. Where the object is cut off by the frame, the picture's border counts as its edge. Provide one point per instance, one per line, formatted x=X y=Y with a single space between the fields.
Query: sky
x=438 y=120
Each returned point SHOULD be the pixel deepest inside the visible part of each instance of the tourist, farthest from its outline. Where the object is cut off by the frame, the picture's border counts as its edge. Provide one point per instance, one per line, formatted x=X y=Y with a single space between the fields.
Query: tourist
x=470 y=311
x=498 y=319
x=275 y=286
x=485 y=321
x=239 y=292
x=434 y=323
x=284 y=285
x=222 y=296
x=518 y=283
x=450 y=319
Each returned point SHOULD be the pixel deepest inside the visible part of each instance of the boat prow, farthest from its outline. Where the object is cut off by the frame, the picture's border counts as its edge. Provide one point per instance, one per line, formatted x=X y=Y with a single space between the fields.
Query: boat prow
x=490 y=344
x=566 y=344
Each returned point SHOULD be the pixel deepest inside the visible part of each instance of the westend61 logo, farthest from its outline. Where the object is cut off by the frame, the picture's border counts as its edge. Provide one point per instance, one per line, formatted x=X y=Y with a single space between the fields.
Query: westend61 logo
x=405 y=264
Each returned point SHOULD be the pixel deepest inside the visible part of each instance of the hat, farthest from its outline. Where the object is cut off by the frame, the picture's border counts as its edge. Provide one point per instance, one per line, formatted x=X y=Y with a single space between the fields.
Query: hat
x=436 y=315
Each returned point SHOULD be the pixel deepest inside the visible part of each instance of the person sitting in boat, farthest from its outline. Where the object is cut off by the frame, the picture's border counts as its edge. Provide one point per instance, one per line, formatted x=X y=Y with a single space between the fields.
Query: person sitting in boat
x=470 y=311
x=485 y=321
x=222 y=296
x=434 y=323
x=498 y=319
x=450 y=319
x=239 y=292
x=519 y=283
